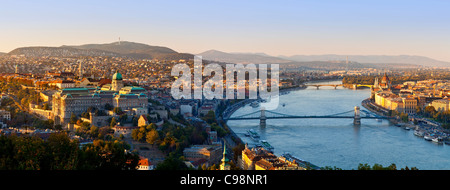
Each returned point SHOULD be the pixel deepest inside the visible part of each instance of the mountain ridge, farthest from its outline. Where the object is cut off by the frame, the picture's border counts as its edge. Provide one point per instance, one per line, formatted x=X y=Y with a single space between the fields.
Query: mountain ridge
x=216 y=55
x=144 y=51
x=372 y=59
x=382 y=60
x=124 y=48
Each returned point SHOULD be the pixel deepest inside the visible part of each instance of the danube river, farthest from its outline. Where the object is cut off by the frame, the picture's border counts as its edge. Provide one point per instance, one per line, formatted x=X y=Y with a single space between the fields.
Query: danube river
x=337 y=142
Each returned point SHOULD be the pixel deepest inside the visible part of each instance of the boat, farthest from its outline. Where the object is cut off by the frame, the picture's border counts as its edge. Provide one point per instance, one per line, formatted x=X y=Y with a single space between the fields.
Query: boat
x=254 y=104
x=298 y=161
x=447 y=141
x=428 y=137
x=418 y=133
x=253 y=134
x=407 y=128
x=437 y=140
x=266 y=145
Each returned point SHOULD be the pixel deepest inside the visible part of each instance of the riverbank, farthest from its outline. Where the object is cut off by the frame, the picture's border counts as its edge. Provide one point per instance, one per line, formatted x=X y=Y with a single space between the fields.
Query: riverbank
x=428 y=132
x=337 y=142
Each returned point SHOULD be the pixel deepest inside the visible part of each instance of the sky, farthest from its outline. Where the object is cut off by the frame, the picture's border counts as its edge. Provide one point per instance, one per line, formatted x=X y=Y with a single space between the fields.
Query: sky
x=281 y=27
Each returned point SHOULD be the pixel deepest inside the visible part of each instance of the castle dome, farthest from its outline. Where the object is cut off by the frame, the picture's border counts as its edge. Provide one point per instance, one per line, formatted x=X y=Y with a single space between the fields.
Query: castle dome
x=117 y=76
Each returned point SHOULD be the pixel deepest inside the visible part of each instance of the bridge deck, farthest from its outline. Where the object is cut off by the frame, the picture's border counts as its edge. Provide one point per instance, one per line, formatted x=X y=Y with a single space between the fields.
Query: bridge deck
x=309 y=117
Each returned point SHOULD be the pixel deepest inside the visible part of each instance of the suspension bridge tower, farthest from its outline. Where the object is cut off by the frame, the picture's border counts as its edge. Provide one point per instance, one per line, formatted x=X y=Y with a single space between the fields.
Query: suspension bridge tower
x=357 y=119
x=262 y=118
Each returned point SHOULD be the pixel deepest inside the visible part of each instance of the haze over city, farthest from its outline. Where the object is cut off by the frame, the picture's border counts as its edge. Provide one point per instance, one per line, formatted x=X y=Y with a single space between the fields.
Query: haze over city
x=204 y=85
x=272 y=27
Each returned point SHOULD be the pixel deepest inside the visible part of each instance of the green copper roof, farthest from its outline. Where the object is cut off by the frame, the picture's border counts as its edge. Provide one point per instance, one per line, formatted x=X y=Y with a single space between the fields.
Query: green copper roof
x=117 y=76
x=132 y=88
x=74 y=89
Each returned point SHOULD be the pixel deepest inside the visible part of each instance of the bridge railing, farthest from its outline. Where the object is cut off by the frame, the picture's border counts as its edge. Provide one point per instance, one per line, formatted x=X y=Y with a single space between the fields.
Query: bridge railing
x=275 y=115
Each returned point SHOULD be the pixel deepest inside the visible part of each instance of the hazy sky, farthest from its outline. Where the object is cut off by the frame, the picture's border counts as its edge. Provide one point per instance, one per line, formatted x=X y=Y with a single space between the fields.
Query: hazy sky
x=378 y=27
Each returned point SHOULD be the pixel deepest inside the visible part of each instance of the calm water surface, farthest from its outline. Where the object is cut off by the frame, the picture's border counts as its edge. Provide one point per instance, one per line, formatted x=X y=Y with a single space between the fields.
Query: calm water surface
x=337 y=142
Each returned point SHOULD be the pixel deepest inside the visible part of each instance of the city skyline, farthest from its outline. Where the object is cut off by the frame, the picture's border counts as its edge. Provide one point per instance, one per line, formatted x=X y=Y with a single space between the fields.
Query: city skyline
x=275 y=28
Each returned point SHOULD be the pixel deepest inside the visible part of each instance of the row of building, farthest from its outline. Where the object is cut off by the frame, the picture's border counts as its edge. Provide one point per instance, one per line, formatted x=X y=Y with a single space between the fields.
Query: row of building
x=411 y=96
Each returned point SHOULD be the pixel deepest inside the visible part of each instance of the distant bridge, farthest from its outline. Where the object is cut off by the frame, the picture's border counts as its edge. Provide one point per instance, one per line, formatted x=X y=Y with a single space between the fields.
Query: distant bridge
x=355 y=86
x=319 y=85
x=359 y=85
x=263 y=115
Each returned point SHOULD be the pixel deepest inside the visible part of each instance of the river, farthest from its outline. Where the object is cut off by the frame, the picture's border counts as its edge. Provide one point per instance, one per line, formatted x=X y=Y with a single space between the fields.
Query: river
x=337 y=142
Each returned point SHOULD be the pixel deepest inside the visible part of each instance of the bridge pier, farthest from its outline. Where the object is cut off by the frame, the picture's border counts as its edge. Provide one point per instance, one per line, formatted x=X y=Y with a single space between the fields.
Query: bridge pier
x=357 y=119
x=262 y=118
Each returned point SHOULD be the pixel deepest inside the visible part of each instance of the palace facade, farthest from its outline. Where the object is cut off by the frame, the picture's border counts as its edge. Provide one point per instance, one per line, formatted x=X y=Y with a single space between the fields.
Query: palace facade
x=77 y=100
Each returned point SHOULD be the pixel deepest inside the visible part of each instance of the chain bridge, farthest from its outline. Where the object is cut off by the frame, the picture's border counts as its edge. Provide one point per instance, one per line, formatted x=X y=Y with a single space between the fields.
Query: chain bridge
x=263 y=115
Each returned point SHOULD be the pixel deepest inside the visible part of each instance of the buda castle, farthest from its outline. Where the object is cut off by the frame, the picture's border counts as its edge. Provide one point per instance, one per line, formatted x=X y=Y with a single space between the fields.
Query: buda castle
x=77 y=100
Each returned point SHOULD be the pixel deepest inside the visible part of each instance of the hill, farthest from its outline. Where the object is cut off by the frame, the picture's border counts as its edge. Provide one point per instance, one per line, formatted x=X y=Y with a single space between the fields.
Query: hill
x=214 y=55
x=136 y=50
x=382 y=60
x=58 y=52
x=124 y=49
x=325 y=62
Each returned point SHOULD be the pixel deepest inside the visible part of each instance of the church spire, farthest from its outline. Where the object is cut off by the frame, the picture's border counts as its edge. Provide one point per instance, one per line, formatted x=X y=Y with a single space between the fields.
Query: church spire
x=224 y=165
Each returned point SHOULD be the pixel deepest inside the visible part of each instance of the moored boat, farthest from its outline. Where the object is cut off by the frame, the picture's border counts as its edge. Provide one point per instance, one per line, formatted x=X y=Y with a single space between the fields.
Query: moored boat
x=266 y=145
x=253 y=134
x=447 y=141
x=418 y=133
x=437 y=140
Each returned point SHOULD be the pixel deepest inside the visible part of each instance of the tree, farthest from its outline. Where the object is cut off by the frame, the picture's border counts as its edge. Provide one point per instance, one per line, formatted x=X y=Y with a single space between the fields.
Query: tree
x=172 y=163
x=107 y=155
x=113 y=122
x=118 y=110
x=134 y=134
x=61 y=153
x=404 y=117
x=123 y=118
x=152 y=136
x=94 y=131
x=58 y=127
x=73 y=118
x=430 y=111
x=108 y=106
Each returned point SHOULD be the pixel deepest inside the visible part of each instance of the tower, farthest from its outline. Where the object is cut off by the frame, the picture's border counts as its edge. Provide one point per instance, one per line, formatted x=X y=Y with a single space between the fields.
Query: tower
x=80 y=69
x=375 y=84
x=357 y=119
x=385 y=82
x=224 y=165
x=17 y=69
x=117 y=83
x=262 y=118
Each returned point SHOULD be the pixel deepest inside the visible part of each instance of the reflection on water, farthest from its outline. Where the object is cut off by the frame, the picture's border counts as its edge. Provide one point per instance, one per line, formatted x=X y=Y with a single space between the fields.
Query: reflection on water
x=337 y=142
